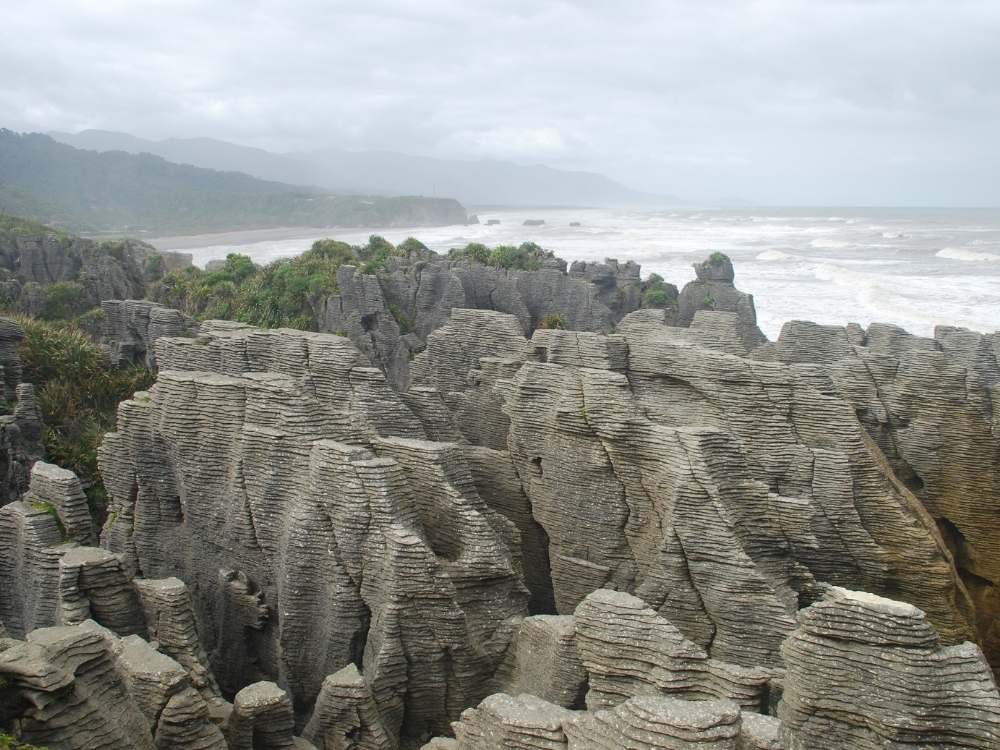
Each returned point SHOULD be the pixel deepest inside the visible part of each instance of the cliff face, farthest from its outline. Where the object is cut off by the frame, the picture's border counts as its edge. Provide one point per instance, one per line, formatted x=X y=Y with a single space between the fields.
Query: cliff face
x=33 y=257
x=390 y=314
x=661 y=537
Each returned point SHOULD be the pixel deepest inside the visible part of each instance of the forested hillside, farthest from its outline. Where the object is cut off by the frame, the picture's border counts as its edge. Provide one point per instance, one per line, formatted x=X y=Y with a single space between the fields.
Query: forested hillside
x=90 y=191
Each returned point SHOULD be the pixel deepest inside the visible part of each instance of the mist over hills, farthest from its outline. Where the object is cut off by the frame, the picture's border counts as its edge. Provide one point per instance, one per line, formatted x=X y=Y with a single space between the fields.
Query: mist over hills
x=385 y=172
x=87 y=190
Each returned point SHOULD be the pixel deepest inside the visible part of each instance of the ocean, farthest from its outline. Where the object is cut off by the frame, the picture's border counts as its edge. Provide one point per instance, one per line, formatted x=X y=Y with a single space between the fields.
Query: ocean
x=916 y=268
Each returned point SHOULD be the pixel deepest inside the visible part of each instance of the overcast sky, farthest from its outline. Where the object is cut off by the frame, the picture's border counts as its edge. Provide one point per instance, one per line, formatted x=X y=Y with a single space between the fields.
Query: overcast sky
x=783 y=102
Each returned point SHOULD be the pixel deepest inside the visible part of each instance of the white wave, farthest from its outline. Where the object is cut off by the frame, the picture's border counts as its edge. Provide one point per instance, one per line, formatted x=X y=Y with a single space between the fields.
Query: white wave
x=958 y=253
x=894 y=235
x=828 y=244
x=773 y=255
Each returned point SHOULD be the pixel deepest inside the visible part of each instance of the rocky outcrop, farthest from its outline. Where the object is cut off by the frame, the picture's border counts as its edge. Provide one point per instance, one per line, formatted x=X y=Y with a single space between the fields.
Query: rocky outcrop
x=132 y=327
x=931 y=406
x=20 y=421
x=867 y=672
x=34 y=257
x=617 y=632
x=713 y=289
x=665 y=525
x=294 y=492
x=389 y=315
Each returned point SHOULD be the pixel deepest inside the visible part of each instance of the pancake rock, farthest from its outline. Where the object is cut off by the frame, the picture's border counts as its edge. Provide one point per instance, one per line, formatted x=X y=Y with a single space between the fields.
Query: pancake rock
x=389 y=315
x=296 y=493
x=867 y=672
x=82 y=687
x=543 y=661
x=628 y=650
x=641 y=723
x=131 y=328
x=20 y=423
x=932 y=407
x=717 y=488
x=713 y=289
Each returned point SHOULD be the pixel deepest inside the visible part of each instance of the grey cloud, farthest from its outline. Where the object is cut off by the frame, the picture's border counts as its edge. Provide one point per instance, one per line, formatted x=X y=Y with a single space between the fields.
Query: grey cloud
x=776 y=101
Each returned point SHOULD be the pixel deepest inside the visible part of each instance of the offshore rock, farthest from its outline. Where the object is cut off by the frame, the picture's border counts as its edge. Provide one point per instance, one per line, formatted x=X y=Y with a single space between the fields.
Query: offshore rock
x=867 y=672
x=296 y=494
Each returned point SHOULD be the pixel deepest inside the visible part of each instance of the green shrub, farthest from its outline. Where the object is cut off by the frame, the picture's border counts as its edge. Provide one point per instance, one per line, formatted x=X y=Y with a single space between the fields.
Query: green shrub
x=709 y=301
x=474 y=251
x=717 y=258
x=552 y=321
x=657 y=293
x=402 y=319
x=9 y=742
x=77 y=393
x=63 y=300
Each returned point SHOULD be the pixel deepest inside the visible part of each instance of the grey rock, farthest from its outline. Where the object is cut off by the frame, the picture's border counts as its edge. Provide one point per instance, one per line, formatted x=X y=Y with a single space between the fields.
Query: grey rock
x=867 y=672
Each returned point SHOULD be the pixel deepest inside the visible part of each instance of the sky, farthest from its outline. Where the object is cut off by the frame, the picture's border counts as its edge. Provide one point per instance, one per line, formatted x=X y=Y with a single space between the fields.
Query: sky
x=784 y=102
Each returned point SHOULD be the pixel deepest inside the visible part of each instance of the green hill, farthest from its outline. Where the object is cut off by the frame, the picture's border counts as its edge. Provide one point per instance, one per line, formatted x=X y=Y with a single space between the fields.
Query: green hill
x=114 y=191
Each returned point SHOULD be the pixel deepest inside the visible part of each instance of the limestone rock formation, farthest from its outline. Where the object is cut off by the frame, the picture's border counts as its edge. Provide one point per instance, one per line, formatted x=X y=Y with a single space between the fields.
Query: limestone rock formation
x=294 y=492
x=713 y=289
x=20 y=422
x=346 y=716
x=32 y=259
x=131 y=328
x=389 y=315
x=867 y=672
x=543 y=661
x=628 y=650
x=931 y=405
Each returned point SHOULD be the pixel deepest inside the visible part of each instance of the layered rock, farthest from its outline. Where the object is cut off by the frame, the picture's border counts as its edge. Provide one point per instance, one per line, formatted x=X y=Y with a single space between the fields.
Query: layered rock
x=715 y=487
x=295 y=493
x=543 y=661
x=867 y=672
x=713 y=289
x=628 y=650
x=20 y=421
x=82 y=687
x=34 y=258
x=931 y=406
x=389 y=315
x=132 y=327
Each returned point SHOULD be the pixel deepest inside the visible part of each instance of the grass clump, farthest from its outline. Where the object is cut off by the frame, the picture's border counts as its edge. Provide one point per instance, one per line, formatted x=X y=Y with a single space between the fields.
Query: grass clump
x=552 y=321
x=658 y=293
x=10 y=742
x=401 y=318
x=524 y=257
x=77 y=393
x=717 y=258
x=282 y=294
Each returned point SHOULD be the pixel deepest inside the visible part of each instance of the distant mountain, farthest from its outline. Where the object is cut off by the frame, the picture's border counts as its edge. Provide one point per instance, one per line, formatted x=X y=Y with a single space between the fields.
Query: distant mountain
x=385 y=172
x=114 y=190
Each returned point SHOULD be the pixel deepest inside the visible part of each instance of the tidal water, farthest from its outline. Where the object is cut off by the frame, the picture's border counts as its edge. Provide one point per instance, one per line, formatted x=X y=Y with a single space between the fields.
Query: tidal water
x=912 y=267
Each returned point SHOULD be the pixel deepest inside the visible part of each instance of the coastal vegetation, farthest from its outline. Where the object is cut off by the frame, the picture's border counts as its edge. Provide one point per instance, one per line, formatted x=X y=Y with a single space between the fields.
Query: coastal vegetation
x=77 y=393
x=282 y=294
x=658 y=293
x=524 y=257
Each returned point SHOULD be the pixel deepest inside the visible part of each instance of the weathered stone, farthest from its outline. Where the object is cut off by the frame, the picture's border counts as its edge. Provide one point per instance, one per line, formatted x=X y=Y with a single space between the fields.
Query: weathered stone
x=867 y=672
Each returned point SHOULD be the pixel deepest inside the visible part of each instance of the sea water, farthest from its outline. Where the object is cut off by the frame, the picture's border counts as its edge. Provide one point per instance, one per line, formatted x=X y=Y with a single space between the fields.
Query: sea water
x=915 y=268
